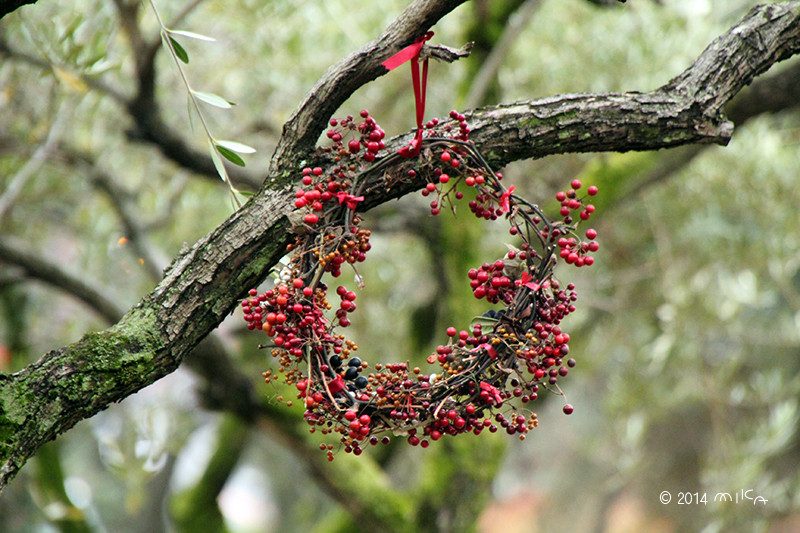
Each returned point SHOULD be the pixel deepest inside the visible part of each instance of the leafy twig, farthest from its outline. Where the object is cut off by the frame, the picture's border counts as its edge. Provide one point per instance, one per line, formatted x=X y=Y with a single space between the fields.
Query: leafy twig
x=218 y=149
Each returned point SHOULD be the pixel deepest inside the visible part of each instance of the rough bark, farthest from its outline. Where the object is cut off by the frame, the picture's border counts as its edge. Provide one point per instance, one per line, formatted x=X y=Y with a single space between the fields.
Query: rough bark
x=205 y=282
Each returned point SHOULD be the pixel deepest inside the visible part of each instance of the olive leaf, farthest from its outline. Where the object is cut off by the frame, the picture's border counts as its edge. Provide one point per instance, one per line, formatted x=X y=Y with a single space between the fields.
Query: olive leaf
x=179 y=50
x=230 y=155
x=213 y=99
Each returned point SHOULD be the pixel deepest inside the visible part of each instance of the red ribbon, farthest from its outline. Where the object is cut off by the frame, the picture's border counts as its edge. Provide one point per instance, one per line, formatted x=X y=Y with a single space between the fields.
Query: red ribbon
x=504 y=205
x=336 y=384
x=527 y=281
x=349 y=199
x=411 y=53
x=492 y=390
x=489 y=349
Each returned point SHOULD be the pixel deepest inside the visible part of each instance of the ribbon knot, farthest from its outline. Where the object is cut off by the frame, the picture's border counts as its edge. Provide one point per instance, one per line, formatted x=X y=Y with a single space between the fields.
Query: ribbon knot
x=420 y=82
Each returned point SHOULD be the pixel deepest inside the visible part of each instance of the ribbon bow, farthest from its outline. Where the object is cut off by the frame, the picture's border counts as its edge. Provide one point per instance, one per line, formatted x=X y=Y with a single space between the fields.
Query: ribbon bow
x=411 y=53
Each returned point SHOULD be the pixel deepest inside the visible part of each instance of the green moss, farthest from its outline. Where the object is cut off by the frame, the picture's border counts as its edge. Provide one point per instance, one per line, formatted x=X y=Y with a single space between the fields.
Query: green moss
x=530 y=122
x=551 y=121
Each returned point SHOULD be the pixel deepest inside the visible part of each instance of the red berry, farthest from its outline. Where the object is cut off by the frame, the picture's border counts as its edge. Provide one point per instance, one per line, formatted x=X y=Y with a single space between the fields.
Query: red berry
x=568 y=409
x=311 y=218
x=592 y=190
x=576 y=184
x=591 y=233
x=354 y=146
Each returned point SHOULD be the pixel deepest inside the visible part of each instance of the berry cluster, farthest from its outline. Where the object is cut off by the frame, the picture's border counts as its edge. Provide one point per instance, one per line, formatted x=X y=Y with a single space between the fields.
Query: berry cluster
x=491 y=282
x=484 y=375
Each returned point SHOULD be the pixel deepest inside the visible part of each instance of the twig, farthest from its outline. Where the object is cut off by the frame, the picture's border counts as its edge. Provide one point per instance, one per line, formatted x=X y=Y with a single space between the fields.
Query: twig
x=36 y=161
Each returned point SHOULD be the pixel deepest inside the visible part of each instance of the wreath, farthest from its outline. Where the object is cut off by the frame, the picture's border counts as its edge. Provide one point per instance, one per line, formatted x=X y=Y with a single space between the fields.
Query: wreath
x=482 y=376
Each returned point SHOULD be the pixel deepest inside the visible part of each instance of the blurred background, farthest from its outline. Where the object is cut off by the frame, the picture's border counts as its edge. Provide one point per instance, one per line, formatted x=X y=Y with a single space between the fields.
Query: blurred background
x=687 y=335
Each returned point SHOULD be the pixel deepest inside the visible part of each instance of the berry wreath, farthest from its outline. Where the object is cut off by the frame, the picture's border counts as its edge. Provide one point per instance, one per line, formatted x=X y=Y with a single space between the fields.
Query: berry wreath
x=483 y=374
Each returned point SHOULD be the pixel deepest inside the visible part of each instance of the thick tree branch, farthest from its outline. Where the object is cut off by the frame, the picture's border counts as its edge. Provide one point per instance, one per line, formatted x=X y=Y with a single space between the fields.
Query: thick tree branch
x=204 y=283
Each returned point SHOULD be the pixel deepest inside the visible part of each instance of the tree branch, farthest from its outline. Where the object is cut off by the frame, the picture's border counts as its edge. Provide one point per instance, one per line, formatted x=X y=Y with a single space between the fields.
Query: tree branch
x=7 y=6
x=142 y=107
x=301 y=131
x=204 y=283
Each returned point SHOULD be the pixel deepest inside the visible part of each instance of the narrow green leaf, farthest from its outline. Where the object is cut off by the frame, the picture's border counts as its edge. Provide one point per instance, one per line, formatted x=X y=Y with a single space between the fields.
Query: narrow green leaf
x=230 y=155
x=246 y=193
x=213 y=99
x=218 y=162
x=237 y=147
x=179 y=50
x=192 y=35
